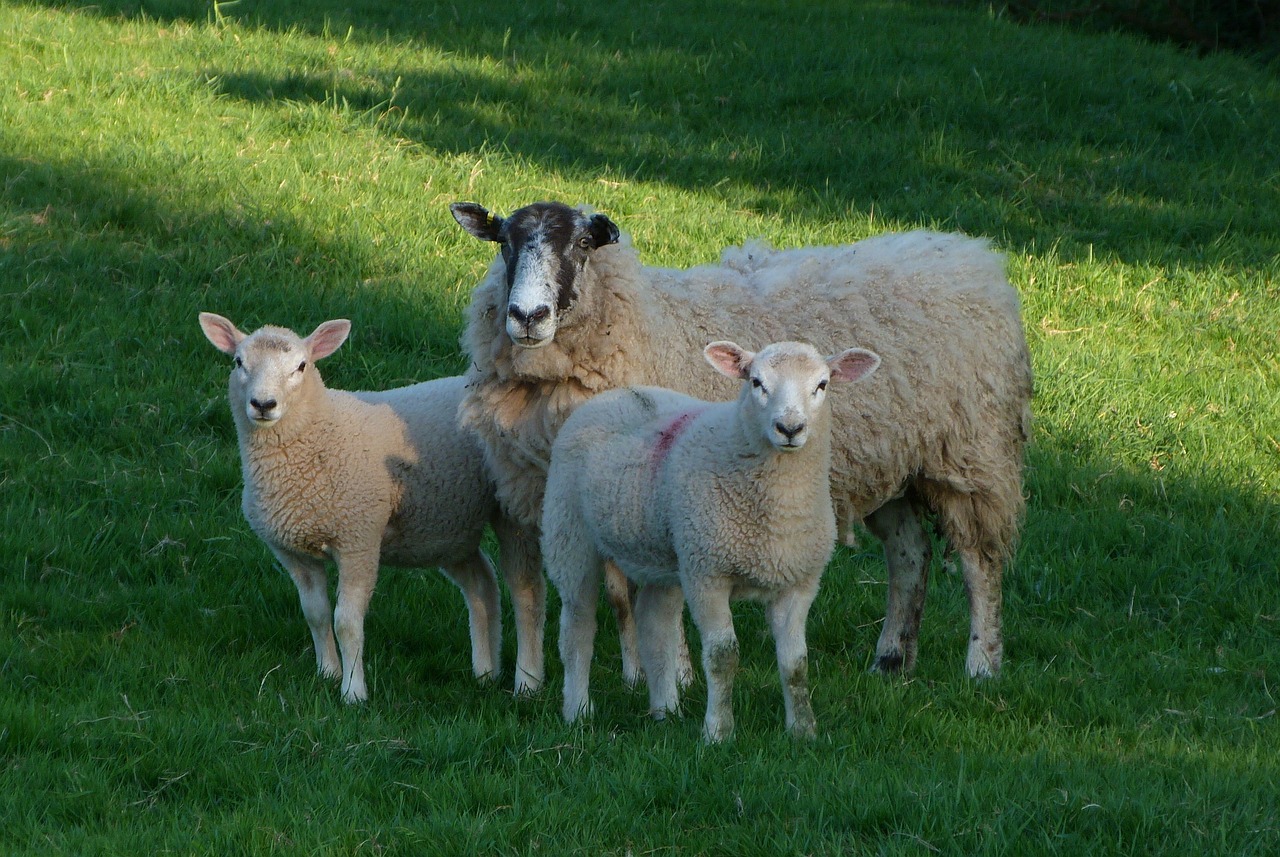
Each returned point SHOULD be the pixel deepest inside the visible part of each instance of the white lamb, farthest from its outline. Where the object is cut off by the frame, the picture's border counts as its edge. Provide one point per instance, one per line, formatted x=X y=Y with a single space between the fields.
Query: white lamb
x=362 y=479
x=728 y=500
x=567 y=311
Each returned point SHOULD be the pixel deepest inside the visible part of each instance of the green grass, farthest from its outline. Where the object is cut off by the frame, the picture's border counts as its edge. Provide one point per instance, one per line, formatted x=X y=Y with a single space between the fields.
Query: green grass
x=288 y=163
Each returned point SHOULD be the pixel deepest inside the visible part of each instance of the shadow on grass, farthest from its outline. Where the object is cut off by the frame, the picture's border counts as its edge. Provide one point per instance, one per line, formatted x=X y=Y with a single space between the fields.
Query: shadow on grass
x=1045 y=139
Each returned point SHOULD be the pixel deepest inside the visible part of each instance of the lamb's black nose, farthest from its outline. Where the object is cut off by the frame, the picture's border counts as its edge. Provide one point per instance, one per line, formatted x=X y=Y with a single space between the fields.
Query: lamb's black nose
x=789 y=432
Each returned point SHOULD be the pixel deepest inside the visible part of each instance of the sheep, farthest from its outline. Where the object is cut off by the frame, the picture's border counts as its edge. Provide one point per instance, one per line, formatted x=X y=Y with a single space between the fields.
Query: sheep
x=361 y=479
x=567 y=311
x=720 y=501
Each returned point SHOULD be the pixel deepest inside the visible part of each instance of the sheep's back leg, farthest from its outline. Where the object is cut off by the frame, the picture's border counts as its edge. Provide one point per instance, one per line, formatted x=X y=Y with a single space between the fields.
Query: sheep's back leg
x=982 y=582
x=479 y=585
x=709 y=605
x=357 y=576
x=621 y=595
x=899 y=525
x=521 y=560
x=980 y=527
x=309 y=576
x=659 y=610
x=788 y=615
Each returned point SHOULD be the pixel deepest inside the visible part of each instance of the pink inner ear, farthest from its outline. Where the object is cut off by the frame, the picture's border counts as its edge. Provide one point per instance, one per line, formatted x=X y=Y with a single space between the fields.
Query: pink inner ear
x=728 y=359
x=855 y=364
x=328 y=337
x=221 y=332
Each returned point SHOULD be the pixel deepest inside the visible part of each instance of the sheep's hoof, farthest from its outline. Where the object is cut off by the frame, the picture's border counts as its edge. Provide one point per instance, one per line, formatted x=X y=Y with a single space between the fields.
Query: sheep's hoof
x=891 y=664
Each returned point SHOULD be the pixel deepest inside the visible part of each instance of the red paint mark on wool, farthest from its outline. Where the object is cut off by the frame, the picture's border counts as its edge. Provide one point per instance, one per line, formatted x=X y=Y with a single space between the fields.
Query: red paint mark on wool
x=667 y=438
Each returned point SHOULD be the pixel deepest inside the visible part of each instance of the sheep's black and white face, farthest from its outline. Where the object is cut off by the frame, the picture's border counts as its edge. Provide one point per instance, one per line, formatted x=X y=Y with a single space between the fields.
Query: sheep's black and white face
x=546 y=247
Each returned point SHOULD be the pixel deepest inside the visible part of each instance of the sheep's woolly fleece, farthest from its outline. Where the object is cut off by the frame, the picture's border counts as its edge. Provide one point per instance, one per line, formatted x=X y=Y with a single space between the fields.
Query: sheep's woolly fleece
x=947 y=413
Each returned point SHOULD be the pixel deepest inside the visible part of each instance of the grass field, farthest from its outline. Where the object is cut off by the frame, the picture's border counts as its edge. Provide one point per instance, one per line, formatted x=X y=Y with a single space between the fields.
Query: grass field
x=289 y=162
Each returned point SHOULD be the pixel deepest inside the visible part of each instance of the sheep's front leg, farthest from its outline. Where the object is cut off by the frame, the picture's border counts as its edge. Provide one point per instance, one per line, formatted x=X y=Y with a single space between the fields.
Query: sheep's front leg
x=312 y=581
x=658 y=613
x=479 y=585
x=709 y=606
x=357 y=576
x=907 y=553
x=521 y=560
x=788 y=614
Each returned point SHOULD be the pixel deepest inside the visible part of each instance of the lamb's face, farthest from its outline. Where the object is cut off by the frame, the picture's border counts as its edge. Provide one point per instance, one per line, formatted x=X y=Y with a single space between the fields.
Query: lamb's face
x=784 y=397
x=545 y=249
x=270 y=366
x=787 y=394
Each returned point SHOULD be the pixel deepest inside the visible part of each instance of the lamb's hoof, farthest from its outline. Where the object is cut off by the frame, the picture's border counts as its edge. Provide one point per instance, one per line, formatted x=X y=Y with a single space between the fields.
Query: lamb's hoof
x=804 y=730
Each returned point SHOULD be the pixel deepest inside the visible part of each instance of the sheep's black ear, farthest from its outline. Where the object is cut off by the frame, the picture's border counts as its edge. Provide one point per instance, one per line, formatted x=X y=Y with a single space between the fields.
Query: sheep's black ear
x=603 y=230
x=476 y=219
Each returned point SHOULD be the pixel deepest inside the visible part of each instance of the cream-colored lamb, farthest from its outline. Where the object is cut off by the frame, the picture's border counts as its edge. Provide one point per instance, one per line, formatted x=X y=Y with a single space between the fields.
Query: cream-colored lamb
x=727 y=500
x=361 y=479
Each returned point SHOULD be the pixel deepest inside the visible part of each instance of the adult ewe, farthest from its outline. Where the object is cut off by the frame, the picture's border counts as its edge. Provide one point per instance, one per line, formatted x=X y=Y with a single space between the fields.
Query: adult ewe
x=713 y=501
x=567 y=311
x=363 y=479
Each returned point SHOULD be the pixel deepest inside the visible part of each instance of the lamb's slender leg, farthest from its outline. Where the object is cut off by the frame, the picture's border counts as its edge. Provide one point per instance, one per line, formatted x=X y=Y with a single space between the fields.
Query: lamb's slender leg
x=788 y=614
x=357 y=576
x=579 y=588
x=521 y=560
x=709 y=605
x=621 y=594
x=309 y=576
x=479 y=585
x=982 y=580
x=658 y=613
x=907 y=550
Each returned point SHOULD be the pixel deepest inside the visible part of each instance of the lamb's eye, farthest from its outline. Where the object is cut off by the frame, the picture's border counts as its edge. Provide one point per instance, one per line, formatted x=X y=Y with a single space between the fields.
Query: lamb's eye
x=302 y=365
x=755 y=382
x=822 y=385
x=239 y=363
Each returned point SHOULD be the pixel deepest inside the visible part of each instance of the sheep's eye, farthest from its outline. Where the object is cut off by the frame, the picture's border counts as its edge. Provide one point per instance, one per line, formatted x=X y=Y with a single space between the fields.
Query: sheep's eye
x=239 y=362
x=755 y=382
x=822 y=385
x=302 y=365
x=585 y=242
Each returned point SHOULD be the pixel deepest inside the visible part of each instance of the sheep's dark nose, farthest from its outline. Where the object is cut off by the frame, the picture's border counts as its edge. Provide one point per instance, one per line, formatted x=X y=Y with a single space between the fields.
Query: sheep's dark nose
x=537 y=314
x=789 y=432
x=263 y=407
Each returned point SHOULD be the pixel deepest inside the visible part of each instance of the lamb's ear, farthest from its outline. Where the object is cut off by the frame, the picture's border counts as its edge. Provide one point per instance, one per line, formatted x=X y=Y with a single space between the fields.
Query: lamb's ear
x=854 y=364
x=221 y=332
x=729 y=359
x=603 y=230
x=476 y=219
x=326 y=338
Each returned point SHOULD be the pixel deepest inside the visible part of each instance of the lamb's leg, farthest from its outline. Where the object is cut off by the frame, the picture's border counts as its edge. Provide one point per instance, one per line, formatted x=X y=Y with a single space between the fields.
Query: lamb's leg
x=709 y=606
x=479 y=585
x=579 y=588
x=982 y=580
x=658 y=613
x=907 y=551
x=788 y=614
x=357 y=576
x=621 y=595
x=521 y=560
x=312 y=581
